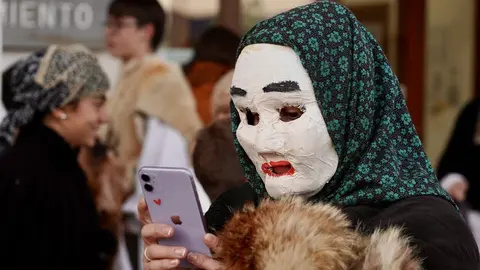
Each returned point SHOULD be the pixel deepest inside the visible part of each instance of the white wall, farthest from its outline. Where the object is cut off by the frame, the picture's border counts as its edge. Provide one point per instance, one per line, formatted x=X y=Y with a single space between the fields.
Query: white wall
x=450 y=44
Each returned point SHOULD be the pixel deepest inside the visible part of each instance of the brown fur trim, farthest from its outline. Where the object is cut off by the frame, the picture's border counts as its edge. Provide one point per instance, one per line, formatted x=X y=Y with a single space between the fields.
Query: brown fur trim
x=293 y=234
x=109 y=184
x=389 y=250
x=149 y=88
x=166 y=95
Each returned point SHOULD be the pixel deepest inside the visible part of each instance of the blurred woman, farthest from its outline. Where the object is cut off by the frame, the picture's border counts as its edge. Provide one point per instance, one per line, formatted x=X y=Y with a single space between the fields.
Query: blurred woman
x=214 y=56
x=460 y=159
x=220 y=99
x=59 y=94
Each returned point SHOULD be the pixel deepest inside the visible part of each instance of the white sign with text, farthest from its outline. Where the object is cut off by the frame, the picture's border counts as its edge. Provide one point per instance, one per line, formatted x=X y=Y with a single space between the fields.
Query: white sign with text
x=35 y=23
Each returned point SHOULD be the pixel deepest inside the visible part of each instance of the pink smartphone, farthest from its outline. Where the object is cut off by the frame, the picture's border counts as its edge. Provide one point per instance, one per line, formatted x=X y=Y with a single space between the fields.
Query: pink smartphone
x=172 y=199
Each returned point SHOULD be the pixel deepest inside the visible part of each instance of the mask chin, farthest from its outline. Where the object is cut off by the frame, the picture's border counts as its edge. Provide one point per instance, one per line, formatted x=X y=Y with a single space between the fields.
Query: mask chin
x=277 y=193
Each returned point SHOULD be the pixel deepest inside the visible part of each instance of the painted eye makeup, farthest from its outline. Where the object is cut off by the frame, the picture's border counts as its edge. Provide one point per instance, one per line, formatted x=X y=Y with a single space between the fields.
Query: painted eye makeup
x=290 y=113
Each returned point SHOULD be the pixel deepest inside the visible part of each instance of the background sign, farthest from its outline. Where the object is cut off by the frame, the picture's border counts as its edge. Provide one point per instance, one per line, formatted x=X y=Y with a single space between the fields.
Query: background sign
x=31 y=24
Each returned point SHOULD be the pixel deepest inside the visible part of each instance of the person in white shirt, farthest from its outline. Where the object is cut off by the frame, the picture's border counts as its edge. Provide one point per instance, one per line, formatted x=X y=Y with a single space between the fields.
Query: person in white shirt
x=152 y=111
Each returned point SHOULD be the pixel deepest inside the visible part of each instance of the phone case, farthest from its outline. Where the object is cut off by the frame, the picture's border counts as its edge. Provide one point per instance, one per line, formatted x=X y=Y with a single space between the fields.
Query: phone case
x=174 y=201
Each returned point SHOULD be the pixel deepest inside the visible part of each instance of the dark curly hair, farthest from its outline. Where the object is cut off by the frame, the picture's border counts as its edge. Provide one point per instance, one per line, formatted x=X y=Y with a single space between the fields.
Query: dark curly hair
x=215 y=161
x=217 y=44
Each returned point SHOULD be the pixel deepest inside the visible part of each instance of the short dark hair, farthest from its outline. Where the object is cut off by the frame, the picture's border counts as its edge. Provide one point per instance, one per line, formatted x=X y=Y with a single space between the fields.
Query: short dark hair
x=215 y=160
x=145 y=12
x=217 y=44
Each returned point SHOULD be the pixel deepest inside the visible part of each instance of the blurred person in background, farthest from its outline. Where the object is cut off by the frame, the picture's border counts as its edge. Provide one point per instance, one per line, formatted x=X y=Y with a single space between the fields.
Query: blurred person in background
x=214 y=56
x=55 y=103
x=220 y=107
x=461 y=158
x=152 y=111
x=105 y=175
x=110 y=188
x=458 y=169
x=457 y=186
x=215 y=146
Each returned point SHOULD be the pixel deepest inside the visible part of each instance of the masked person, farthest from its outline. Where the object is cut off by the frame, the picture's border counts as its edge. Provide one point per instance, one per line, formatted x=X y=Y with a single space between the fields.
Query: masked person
x=318 y=113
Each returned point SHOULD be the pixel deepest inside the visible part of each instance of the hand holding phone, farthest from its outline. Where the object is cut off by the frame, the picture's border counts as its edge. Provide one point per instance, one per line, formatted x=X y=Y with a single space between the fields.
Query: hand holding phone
x=172 y=200
x=158 y=257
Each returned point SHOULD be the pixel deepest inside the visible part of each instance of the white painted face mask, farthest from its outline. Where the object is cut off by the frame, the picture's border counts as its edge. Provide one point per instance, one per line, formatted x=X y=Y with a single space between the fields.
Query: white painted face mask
x=282 y=129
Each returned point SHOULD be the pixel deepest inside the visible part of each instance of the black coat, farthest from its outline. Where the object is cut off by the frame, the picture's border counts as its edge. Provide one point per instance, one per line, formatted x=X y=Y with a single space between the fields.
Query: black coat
x=462 y=155
x=49 y=219
x=438 y=231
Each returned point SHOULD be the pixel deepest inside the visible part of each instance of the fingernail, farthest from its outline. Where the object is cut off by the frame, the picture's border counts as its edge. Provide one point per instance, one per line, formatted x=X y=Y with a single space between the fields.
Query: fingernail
x=209 y=237
x=180 y=252
x=174 y=262
x=168 y=231
x=192 y=256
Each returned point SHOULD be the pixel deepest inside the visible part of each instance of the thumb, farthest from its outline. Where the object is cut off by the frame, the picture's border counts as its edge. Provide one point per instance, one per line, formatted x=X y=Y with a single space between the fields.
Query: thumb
x=212 y=242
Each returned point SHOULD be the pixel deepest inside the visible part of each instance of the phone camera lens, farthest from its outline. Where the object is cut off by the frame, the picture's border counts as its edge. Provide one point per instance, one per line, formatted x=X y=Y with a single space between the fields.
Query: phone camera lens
x=148 y=187
x=145 y=177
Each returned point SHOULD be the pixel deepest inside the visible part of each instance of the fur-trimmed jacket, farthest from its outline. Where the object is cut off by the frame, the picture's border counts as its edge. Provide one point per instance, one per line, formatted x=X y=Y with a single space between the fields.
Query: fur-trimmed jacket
x=259 y=235
x=292 y=234
x=148 y=88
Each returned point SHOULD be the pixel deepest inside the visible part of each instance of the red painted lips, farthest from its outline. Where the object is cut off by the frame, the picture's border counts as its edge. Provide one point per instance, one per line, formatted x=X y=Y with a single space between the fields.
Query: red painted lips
x=278 y=168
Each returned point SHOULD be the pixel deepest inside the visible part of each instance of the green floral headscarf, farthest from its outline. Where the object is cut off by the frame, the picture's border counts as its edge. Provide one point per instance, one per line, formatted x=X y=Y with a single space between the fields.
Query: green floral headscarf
x=381 y=158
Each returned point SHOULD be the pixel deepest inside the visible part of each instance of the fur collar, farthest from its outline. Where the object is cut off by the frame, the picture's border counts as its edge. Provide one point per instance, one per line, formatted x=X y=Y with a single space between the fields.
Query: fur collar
x=292 y=234
x=166 y=95
x=149 y=87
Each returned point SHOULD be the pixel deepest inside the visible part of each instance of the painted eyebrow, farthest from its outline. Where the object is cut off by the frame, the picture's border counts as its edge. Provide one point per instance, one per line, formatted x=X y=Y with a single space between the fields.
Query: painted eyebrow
x=237 y=91
x=284 y=87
